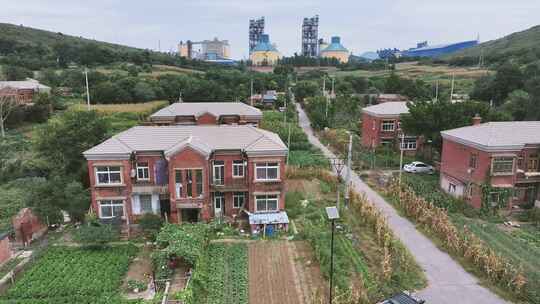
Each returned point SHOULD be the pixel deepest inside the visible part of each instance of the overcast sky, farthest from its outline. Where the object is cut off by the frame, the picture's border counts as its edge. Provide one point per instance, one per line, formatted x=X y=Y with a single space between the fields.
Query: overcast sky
x=363 y=25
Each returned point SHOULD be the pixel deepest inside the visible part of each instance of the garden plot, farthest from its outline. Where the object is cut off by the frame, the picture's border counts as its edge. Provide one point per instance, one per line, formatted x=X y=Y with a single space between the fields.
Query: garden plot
x=73 y=275
x=275 y=276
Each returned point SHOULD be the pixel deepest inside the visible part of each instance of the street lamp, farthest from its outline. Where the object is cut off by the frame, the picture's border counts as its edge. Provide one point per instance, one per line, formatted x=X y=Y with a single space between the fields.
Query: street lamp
x=333 y=215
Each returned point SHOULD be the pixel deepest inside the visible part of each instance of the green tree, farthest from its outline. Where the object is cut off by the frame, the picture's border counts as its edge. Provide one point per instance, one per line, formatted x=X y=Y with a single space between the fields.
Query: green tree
x=13 y=72
x=63 y=139
x=518 y=104
x=305 y=89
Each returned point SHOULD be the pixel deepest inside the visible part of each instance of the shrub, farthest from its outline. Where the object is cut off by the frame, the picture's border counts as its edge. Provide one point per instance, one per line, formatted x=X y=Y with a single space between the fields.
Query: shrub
x=136 y=285
x=95 y=236
x=150 y=224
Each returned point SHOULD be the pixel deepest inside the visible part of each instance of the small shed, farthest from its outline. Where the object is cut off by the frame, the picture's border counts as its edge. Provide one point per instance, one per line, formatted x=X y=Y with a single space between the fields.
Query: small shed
x=268 y=222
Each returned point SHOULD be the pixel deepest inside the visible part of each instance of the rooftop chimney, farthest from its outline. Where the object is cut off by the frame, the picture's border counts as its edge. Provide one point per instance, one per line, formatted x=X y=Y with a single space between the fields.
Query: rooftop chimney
x=476 y=120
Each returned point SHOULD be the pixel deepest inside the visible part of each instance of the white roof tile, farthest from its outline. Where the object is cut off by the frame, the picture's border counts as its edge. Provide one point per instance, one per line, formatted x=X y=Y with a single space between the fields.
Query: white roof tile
x=215 y=108
x=502 y=135
x=166 y=138
x=387 y=108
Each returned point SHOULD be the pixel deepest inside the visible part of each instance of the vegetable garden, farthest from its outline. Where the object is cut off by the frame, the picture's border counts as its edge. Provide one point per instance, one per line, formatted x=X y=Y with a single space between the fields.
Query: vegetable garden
x=73 y=275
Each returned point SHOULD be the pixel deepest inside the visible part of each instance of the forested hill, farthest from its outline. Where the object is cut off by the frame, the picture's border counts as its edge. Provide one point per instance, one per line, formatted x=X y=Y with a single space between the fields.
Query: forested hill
x=36 y=49
x=521 y=47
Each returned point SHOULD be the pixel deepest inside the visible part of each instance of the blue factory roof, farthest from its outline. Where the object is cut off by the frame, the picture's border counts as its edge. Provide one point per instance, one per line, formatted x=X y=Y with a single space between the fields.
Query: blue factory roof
x=439 y=50
x=335 y=46
x=264 y=45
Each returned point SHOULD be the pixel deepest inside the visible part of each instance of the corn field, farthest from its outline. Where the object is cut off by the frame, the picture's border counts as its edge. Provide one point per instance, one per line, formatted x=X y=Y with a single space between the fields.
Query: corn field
x=465 y=244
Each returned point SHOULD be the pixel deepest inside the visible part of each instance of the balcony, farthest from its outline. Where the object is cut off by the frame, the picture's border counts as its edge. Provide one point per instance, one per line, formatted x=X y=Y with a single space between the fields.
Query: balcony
x=229 y=185
x=527 y=176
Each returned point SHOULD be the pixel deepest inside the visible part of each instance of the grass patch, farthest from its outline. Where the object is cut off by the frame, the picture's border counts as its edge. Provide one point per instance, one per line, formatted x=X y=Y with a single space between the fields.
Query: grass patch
x=144 y=108
x=9 y=265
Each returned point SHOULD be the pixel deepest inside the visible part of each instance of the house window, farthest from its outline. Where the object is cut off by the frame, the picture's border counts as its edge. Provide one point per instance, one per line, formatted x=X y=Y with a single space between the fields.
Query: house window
x=219 y=172
x=189 y=183
x=238 y=168
x=494 y=198
x=178 y=183
x=388 y=125
x=267 y=171
x=451 y=188
x=111 y=208
x=145 y=201
x=532 y=164
x=239 y=199
x=266 y=203
x=143 y=172
x=199 y=181
x=502 y=165
x=108 y=175
x=409 y=144
x=473 y=158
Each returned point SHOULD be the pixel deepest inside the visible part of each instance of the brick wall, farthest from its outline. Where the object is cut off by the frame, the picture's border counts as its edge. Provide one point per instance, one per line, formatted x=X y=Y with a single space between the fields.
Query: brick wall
x=5 y=250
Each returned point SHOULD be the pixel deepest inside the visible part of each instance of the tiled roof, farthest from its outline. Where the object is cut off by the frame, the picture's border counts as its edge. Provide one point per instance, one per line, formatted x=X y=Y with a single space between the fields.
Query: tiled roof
x=502 y=135
x=203 y=138
x=24 y=84
x=388 y=108
x=215 y=108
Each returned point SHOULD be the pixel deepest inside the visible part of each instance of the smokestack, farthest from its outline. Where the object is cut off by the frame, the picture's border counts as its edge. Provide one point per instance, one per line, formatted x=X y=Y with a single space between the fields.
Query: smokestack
x=476 y=120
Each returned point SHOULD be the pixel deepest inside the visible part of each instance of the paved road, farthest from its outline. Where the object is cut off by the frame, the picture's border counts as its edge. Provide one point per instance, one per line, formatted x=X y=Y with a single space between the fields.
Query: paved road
x=448 y=282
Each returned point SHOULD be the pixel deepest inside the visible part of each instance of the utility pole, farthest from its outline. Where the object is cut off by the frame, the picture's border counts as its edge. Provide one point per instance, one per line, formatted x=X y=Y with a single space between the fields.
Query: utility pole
x=251 y=94
x=401 y=156
x=348 y=179
x=437 y=91
x=87 y=89
x=452 y=89
x=332 y=87
x=289 y=143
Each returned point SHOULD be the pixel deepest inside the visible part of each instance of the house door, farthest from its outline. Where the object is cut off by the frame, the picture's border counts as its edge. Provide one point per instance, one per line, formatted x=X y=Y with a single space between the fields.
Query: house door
x=219 y=202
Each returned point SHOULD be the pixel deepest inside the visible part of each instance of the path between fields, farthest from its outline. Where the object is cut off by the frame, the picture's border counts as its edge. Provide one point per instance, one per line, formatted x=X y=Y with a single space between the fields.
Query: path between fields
x=448 y=282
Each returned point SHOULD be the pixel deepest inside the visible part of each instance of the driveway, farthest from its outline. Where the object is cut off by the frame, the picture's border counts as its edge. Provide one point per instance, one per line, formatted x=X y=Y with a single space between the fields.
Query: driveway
x=448 y=282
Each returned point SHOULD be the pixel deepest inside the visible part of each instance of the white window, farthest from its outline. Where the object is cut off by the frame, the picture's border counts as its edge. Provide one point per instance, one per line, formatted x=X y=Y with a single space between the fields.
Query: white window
x=219 y=172
x=267 y=171
x=388 y=125
x=409 y=144
x=108 y=175
x=111 y=208
x=143 y=172
x=178 y=183
x=239 y=199
x=238 y=168
x=146 y=203
x=502 y=165
x=266 y=203
x=451 y=188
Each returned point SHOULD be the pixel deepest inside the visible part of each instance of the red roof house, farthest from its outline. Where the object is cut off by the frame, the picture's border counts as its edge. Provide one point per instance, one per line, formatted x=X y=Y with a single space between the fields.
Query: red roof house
x=480 y=160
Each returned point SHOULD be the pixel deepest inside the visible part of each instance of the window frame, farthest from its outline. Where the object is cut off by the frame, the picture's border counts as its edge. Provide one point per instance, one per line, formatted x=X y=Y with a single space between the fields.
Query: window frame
x=238 y=195
x=266 y=198
x=220 y=164
x=111 y=205
x=240 y=166
x=409 y=144
x=452 y=188
x=496 y=161
x=266 y=166
x=147 y=168
x=189 y=183
x=142 y=211
x=473 y=160
x=199 y=186
x=108 y=172
x=387 y=123
x=532 y=163
x=178 y=182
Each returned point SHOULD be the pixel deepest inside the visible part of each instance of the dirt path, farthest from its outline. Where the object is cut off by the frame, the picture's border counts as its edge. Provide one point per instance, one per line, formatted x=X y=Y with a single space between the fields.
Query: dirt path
x=447 y=280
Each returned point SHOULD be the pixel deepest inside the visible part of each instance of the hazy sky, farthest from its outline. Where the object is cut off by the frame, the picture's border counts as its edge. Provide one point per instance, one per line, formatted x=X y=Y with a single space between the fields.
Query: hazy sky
x=363 y=25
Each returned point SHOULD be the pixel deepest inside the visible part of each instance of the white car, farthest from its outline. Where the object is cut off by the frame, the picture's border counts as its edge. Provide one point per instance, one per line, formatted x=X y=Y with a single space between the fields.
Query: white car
x=418 y=167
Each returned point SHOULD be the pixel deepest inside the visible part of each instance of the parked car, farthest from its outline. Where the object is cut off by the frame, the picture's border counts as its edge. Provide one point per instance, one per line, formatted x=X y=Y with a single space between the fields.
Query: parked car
x=418 y=167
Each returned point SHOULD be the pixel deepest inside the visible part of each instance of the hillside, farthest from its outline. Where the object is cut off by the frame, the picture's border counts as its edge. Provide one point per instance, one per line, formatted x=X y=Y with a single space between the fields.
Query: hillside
x=523 y=47
x=28 y=36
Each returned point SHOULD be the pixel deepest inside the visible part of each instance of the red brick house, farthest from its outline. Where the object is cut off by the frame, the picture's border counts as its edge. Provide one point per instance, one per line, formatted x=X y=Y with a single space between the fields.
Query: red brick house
x=381 y=126
x=188 y=173
x=207 y=113
x=24 y=90
x=504 y=155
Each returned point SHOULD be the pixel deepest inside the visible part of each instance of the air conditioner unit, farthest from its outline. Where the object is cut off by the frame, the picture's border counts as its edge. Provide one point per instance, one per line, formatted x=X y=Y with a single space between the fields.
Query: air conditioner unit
x=133 y=173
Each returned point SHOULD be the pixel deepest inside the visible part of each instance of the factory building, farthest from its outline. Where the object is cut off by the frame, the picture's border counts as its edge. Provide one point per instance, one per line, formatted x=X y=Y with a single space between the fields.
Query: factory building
x=208 y=49
x=336 y=50
x=424 y=50
x=264 y=53
x=310 y=33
